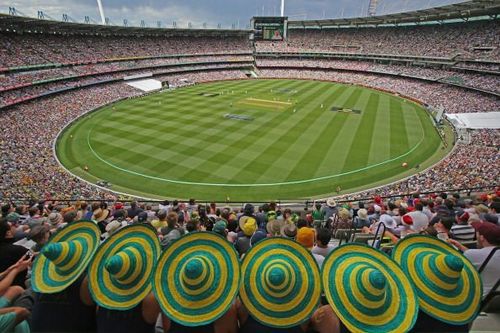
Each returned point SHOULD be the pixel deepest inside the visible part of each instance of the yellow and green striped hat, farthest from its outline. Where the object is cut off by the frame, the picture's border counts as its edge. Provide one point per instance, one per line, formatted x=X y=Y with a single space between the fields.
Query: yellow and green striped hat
x=121 y=271
x=448 y=286
x=368 y=290
x=281 y=282
x=64 y=258
x=197 y=278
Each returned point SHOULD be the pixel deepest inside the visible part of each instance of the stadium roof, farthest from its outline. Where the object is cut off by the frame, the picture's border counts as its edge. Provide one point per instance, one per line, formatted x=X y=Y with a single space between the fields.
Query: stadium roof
x=463 y=11
x=29 y=24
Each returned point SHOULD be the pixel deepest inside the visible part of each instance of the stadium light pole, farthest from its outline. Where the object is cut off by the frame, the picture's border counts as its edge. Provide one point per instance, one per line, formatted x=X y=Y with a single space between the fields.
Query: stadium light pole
x=101 y=12
x=282 y=8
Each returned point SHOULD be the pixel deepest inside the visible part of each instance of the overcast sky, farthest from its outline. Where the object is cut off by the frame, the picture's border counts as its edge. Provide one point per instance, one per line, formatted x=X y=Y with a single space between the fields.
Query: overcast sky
x=211 y=12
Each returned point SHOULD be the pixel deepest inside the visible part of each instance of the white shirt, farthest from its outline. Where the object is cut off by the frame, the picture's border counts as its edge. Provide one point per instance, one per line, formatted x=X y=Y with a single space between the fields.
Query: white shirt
x=323 y=251
x=319 y=259
x=491 y=273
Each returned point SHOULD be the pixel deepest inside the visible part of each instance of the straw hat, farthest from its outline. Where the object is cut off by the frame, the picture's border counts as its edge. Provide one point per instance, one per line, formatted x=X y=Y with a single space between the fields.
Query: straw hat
x=121 y=271
x=368 y=290
x=248 y=225
x=197 y=278
x=448 y=286
x=281 y=282
x=64 y=258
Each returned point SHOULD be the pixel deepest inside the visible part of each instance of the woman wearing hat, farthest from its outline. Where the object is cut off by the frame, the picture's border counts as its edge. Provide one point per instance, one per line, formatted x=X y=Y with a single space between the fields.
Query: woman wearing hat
x=367 y=291
x=62 y=301
x=120 y=276
x=196 y=281
x=447 y=285
x=281 y=289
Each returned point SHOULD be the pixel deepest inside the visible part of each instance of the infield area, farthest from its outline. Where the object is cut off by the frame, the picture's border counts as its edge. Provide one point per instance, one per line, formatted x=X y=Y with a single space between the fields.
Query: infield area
x=225 y=140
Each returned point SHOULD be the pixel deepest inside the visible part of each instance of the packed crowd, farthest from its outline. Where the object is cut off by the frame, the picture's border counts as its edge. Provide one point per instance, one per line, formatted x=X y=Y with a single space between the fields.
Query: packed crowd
x=474 y=80
x=452 y=99
x=30 y=49
x=31 y=230
x=13 y=96
x=12 y=79
x=448 y=40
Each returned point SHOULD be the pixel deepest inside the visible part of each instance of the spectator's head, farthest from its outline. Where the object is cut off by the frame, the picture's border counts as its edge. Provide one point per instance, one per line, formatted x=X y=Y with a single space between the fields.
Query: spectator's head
x=220 y=228
x=495 y=207
x=289 y=230
x=40 y=234
x=301 y=223
x=444 y=224
x=70 y=216
x=13 y=218
x=305 y=237
x=6 y=234
x=363 y=214
x=55 y=219
x=232 y=225
x=6 y=209
x=162 y=214
x=33 y=211
x=323 y=237
x=172 y=219
x=248 y=225
x=120 y=215
x=192 y=226
x=257 y=237
x=488 y=234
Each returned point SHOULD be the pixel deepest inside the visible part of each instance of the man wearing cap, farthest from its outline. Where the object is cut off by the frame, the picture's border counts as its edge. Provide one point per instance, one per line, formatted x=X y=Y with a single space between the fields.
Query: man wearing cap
x=488 y=237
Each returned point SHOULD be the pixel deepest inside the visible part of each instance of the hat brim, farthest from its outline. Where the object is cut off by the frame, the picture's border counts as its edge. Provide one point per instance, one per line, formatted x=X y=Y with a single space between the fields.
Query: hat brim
x=46 y=278
x=111 y=293
x=297 y=297
x=219 y=290
x=458 y=306
x=105 y=215
x=398 y=312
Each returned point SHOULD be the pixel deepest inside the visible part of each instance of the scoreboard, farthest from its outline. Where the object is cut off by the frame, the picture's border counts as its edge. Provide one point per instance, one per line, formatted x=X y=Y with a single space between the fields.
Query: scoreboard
x=269 y=27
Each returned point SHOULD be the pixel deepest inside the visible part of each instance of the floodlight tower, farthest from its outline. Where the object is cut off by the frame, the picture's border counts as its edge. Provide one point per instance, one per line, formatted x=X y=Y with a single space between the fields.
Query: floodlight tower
x=372 y=8
x=282 y=8
x=101 y=12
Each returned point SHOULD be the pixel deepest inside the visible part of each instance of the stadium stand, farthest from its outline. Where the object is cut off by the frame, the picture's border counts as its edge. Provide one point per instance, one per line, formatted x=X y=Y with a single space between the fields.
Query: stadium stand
x=450 y=66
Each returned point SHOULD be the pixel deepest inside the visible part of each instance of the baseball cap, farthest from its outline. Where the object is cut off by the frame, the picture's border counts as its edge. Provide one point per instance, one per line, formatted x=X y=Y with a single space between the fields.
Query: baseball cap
x=489 y=231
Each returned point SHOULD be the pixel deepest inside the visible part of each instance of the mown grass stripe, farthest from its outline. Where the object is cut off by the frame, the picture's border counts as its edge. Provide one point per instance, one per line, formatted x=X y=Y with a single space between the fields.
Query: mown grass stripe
x=399 y=137
x=362 y=140
x=326 y=132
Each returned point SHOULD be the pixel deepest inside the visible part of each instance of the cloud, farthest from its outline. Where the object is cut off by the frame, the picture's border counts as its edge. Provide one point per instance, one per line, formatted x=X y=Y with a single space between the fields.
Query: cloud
x=213 y=12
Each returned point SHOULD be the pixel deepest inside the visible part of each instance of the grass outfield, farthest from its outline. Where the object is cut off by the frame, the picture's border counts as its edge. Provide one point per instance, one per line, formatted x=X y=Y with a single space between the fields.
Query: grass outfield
x=250 y=140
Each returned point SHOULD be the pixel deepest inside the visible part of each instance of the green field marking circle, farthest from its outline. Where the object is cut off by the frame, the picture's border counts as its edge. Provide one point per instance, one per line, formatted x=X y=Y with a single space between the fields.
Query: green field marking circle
x=294 y=182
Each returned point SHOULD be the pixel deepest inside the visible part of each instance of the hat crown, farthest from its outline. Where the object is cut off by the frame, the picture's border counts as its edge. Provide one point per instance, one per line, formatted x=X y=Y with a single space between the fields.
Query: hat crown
x=64 y=255
x=450 y=266
x=194 y=268
x=377 y=279
x=276 y=276
x=124 y=265
x=114 y=264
